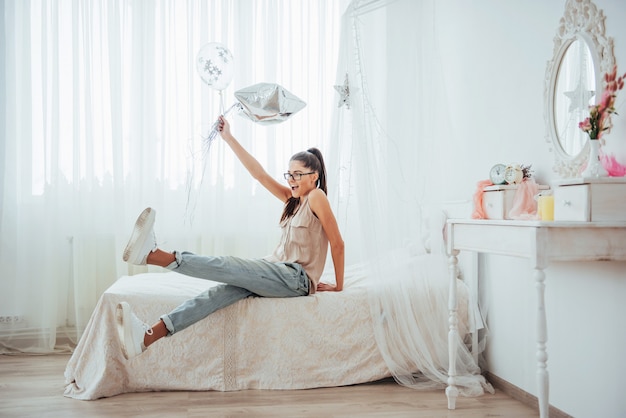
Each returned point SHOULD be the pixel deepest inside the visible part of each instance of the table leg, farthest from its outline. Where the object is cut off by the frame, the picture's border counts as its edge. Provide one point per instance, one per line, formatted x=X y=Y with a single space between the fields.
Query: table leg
x=542 y=338
x=452 y=392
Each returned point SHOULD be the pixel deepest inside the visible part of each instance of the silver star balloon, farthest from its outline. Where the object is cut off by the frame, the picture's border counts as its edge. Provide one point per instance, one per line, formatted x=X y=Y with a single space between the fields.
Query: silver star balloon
x=344 y=93
x=268 y=103
x=262 y=103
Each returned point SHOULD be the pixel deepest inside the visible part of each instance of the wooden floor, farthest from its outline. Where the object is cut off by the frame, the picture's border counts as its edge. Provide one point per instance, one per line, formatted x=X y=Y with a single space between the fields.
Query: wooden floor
x=32 y=386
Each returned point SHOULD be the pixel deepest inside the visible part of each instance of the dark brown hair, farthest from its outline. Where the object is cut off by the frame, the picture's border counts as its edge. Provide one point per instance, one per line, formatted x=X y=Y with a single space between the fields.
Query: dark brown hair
x=313 y=160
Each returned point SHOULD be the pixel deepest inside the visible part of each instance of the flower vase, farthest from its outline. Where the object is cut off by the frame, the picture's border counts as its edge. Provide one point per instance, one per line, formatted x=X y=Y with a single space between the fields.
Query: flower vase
x=594 y=167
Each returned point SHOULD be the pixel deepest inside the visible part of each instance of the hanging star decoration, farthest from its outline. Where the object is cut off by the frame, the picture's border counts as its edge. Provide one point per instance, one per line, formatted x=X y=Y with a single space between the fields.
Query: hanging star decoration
x=579 y=98
x=344 y=93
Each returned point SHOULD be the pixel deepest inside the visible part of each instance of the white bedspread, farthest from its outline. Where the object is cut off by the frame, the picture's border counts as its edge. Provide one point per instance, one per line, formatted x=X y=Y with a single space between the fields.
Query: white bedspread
x=320 y=340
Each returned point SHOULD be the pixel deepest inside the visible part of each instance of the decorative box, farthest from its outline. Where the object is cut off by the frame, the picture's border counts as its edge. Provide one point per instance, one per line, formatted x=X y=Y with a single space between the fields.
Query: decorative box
x=498 y=200
x=590 y=199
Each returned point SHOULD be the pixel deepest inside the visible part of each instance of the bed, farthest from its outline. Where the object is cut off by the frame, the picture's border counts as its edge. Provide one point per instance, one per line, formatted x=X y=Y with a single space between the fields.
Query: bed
x=322 y=340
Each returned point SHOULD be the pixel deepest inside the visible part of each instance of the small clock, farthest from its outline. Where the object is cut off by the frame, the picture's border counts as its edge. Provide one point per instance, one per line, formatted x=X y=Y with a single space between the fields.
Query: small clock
x=513 y=174
x=496 y=174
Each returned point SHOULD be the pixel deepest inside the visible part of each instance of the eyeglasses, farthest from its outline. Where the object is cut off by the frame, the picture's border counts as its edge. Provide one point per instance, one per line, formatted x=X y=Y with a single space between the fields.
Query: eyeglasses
x=296 y=176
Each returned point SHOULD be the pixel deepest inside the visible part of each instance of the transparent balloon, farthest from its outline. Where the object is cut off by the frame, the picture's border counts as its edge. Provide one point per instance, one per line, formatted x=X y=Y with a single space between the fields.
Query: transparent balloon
x=215 y=65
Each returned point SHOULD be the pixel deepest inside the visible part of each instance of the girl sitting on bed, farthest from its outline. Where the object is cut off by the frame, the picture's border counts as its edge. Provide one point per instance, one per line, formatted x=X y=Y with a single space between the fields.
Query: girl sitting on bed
x=294 y=269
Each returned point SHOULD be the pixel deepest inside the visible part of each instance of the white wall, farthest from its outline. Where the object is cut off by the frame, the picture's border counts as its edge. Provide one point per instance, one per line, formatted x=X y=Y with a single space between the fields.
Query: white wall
x=494 y=55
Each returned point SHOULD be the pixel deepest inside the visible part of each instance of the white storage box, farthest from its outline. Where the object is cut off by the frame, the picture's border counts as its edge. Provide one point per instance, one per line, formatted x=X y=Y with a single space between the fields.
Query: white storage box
x=498 y=200
x=590 y=199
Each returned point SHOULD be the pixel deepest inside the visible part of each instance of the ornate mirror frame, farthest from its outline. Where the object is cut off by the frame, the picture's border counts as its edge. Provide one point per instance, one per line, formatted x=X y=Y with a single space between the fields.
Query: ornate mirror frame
x=581 y=20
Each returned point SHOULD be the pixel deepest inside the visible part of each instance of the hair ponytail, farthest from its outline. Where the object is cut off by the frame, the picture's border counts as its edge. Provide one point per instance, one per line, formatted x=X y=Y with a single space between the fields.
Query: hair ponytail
x=313 y=160
x=321 y=181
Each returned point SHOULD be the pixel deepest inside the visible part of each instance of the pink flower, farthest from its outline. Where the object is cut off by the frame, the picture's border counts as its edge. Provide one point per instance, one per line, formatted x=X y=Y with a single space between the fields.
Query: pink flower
x=599 y=119
x=585 y=125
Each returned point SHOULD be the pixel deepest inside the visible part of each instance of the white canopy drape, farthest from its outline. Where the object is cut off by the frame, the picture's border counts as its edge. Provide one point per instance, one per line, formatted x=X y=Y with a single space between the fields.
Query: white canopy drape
x=388 y=146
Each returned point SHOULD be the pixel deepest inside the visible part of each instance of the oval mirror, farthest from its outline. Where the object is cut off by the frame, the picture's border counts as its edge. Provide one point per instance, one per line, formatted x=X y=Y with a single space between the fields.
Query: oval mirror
x=574 y=92
x=582 y=54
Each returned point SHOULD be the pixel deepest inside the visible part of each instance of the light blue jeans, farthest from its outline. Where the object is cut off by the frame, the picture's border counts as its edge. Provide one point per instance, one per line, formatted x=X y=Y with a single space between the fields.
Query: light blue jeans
x=241 y=278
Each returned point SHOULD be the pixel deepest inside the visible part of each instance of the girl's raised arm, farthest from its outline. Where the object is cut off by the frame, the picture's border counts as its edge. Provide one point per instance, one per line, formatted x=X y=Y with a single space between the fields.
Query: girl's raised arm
x=257 y=171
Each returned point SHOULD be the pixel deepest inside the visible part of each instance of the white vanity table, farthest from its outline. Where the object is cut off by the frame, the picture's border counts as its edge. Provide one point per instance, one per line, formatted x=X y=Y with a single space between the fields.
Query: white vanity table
x=540 y=242
x=590 y=223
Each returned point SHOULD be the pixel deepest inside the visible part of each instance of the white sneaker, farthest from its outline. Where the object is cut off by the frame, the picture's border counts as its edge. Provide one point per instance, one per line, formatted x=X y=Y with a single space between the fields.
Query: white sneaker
x=142 y=241
x=130 y=330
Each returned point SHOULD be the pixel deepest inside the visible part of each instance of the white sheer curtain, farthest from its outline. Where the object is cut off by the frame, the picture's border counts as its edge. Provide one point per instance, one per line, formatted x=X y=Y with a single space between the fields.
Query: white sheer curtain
x=102 y=115
x=390 y=158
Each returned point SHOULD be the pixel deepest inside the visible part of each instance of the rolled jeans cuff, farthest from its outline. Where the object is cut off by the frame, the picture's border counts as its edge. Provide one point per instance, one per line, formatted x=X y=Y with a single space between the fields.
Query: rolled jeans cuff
x=176 y=263
x=168 y=324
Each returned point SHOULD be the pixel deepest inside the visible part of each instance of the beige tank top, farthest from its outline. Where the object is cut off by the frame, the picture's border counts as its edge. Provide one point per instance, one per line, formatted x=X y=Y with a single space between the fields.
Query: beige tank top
x=303 y=241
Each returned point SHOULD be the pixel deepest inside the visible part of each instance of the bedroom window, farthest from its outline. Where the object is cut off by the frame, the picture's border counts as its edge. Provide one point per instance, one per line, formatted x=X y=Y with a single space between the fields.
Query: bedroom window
x=106 y=92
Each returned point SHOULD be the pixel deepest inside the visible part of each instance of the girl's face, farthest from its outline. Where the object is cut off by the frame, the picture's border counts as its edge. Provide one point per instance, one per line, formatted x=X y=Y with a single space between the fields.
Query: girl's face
x=307 y=182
